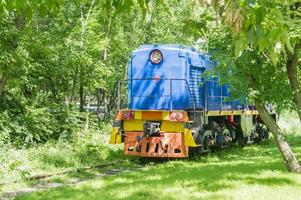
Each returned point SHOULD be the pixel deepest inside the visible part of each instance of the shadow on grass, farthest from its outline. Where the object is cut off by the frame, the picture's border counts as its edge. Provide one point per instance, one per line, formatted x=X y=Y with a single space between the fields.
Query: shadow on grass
x=270 y=181
x=82 y=174
x=189 y=179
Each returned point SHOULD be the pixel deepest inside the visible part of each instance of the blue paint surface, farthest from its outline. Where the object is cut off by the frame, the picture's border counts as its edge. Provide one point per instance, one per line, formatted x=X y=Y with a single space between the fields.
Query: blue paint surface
x=176 y=83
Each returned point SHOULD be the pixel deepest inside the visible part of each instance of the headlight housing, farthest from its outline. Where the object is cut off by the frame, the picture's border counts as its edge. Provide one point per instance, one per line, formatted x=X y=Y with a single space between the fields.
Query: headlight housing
x=156 y=56
x=127 y=115
x=177 y=116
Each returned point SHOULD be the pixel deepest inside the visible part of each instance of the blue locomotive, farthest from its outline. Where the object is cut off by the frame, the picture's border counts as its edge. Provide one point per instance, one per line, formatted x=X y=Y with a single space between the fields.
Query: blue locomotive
x=174 y=110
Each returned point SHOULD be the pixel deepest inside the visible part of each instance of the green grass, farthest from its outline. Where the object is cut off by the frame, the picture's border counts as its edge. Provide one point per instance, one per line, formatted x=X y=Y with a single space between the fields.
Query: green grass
x=89 y=149
x=254 y=172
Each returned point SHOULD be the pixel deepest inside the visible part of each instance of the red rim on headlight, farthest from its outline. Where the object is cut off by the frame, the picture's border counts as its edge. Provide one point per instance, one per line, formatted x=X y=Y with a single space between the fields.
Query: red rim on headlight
x=156 y=56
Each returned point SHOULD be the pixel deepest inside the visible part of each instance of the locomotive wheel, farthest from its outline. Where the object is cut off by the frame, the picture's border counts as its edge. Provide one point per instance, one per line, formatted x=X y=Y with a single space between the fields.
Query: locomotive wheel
x=228 y=145
x=234 y=140
x=197 y=136
x=195 y=150
x=258 y=137
x=227 y=138
x=207 y=143
x=242 y=141
x=198 y=140
x=220 y=138
x=262 y=132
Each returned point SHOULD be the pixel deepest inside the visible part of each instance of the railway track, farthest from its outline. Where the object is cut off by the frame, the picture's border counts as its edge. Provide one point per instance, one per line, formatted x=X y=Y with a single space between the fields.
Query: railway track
x=43 y=184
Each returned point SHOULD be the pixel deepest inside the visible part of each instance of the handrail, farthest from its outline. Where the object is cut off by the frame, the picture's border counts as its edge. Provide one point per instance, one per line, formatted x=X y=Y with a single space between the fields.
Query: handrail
x=221 y=97
x=164 y=79
x=117 y=89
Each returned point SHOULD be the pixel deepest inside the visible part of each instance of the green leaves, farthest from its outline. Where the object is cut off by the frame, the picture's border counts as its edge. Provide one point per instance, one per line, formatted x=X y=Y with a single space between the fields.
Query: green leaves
x=21 y=4
x=274 y=57
x=277 y=14
x=260 y=14
x=27 y=7
x=143 y=6
x=240 y=46
x=55 y=52
x=270 y=31
x=50 y=4
x=193 y=27
x=264 y=28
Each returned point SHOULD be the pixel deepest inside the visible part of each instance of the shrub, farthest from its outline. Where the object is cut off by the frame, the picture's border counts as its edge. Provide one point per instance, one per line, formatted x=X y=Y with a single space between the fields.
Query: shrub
x=31 y=124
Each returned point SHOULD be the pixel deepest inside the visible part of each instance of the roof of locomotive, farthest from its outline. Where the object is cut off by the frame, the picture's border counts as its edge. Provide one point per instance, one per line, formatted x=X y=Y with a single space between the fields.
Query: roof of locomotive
x=167 y=46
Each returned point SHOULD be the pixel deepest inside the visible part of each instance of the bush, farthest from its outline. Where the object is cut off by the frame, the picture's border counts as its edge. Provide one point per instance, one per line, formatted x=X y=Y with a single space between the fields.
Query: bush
x=22 y=124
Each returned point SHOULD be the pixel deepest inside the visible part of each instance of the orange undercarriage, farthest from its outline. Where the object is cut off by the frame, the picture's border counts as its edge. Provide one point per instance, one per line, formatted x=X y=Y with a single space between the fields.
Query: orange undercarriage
x=165 y=145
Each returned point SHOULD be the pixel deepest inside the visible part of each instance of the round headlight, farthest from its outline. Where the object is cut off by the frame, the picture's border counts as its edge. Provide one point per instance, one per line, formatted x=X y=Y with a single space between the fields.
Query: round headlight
x=177 y=116
x=156 y=56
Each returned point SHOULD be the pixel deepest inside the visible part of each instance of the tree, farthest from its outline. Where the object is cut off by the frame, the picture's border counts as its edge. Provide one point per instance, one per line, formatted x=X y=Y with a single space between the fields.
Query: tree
x=13 y=18
x=273 y=28
x=262 y=34
x=70 y=51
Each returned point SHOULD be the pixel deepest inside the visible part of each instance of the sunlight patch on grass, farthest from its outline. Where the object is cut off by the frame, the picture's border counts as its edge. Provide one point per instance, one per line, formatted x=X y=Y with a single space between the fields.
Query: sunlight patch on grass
x=248 y=192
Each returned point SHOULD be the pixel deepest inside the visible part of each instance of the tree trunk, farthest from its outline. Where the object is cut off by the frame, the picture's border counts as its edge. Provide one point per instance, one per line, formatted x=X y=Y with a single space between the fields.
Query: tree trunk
x=105 y=99
x=74 y=84
x=292 y=72
x=81 y=94
x=288 y=156
x=149 y=19
x=86 y=128
x=81 y=73
x=3 y=81
x=104 y=54
x=98 y=98
x=149 y=14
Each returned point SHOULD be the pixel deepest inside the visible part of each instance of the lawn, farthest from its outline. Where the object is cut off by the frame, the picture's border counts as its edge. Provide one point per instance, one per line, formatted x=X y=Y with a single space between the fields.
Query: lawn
x=254 y=172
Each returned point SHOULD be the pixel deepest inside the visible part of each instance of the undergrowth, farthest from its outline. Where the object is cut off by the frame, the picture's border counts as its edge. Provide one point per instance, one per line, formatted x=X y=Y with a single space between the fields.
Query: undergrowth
x=86 y=149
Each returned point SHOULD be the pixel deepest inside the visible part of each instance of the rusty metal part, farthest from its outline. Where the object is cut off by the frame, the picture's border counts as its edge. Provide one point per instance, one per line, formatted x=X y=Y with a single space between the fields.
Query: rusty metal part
x=166 y=145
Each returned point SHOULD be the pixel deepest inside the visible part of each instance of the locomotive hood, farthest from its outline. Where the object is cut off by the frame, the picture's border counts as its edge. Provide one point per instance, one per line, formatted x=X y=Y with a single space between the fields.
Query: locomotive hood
x=170 y=77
